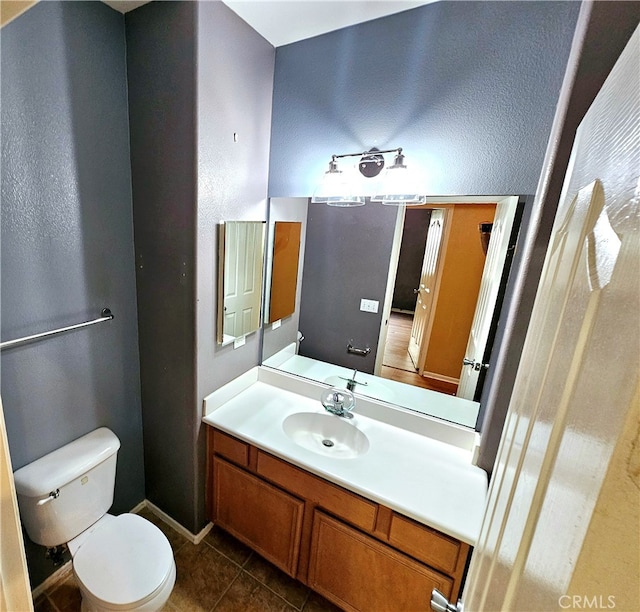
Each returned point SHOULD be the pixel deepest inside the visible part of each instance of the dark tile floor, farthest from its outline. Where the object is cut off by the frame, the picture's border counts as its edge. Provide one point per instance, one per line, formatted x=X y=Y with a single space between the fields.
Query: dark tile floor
x=218 y=574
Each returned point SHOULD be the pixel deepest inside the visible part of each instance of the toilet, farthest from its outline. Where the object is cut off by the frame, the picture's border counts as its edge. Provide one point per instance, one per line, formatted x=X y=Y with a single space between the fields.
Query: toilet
x=120 y=562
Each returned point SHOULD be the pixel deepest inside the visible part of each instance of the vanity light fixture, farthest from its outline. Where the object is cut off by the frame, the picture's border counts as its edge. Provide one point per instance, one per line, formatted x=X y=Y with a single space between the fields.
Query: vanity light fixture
x=398 y=185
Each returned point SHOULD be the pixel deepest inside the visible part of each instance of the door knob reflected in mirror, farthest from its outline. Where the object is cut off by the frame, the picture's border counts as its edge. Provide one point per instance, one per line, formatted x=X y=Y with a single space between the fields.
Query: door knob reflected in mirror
x=475 y=364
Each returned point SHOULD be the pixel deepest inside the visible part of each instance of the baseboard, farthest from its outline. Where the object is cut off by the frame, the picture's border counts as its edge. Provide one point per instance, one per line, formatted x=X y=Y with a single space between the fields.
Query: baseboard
x=141 y=506
x=57 y=576
x=441 y=378
x=193 y=538
x=403 y=311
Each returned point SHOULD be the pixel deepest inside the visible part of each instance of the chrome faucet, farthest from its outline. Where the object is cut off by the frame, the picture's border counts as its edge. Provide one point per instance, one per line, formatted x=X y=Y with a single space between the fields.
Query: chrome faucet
x=339 y=402
x=352 y=382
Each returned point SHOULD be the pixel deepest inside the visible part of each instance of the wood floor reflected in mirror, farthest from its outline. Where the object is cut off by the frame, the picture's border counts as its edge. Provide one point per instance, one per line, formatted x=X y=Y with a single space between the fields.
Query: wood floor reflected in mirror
x=397 y=364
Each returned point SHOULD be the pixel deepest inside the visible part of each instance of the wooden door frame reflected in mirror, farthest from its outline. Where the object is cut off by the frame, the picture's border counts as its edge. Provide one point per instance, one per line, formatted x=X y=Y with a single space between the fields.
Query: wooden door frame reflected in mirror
x=281 y=285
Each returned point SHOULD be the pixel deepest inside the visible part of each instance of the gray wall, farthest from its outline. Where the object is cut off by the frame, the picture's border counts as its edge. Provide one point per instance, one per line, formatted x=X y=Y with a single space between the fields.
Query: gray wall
x=67 y=240
x=197 y=76
x=161 y=49
x=467 y=88
x=346 y=259
x=235 y=90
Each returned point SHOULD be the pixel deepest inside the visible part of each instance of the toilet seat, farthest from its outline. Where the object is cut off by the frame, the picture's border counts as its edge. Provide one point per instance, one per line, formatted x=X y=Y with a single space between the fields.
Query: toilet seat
x=124 y=563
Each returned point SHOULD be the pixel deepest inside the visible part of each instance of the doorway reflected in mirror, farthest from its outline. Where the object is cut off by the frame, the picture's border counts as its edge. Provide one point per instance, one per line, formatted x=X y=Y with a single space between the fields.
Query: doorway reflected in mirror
x=438 y=275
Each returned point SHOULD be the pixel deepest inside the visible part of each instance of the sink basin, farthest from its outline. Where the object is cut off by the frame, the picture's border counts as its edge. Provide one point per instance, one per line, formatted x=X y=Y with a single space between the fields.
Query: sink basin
x=326 y=434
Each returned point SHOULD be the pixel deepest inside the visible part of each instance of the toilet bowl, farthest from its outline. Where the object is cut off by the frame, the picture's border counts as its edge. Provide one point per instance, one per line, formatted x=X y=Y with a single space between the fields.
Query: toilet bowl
x=120 y=562
x=125 y=563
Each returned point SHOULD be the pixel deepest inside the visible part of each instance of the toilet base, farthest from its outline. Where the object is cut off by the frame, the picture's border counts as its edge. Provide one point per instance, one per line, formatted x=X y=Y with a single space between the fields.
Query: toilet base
x=153 y=603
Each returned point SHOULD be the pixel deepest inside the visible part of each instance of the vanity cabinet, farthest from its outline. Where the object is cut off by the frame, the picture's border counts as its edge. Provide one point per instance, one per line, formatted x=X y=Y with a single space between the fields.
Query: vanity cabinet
x=243 y=505
x=359 y=554
x=357 y=572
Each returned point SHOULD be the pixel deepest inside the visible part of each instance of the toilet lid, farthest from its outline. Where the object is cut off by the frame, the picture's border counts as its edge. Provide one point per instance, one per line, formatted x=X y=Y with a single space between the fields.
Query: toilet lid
x=124 y=561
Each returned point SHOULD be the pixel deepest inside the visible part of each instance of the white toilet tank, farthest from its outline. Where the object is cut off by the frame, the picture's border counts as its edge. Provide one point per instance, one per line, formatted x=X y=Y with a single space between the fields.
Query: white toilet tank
x=65 y=492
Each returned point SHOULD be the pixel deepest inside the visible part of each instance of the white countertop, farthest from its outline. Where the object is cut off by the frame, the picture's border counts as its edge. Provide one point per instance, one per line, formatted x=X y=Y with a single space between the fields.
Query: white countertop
x=429 y=480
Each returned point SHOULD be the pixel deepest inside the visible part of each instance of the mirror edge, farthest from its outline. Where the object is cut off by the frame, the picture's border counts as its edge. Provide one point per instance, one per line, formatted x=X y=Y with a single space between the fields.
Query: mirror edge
x=220 y=289
x=220 y=307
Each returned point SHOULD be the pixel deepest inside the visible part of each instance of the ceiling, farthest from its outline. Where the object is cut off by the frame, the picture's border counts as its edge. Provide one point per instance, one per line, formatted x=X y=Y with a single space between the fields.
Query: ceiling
x=285 y=21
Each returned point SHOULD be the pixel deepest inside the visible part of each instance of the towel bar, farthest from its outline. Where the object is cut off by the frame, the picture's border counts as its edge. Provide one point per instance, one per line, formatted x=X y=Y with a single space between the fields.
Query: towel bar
x=358 y=351
x=105 y=316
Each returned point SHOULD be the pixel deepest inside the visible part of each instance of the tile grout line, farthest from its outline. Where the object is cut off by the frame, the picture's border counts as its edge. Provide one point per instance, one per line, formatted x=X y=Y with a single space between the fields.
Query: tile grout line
x=226 y=556
x=175 y=552
x=51 y=603
x=242 y=567
x=238 y=565
x=266 y=586
x=226 y=590
x=260 y=582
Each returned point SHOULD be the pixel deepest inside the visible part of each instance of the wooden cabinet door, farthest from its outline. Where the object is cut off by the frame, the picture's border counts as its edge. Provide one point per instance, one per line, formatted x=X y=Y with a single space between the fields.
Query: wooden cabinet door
x=259 y=514
x=359 y=573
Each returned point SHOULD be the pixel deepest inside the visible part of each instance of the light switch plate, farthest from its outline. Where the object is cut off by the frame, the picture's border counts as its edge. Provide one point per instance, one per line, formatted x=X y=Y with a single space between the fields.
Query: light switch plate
x=369 y=305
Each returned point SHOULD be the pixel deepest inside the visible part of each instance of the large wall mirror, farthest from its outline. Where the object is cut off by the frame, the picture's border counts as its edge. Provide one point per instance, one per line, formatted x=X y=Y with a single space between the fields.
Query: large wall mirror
x=240 y=271
x=393 y=300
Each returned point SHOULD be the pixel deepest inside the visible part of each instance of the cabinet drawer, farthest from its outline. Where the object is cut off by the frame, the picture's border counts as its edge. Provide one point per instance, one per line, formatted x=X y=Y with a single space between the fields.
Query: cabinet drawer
x=230 y=448
x=259 y=514
x=428 y=545
x=349 y=506
x=357 y=572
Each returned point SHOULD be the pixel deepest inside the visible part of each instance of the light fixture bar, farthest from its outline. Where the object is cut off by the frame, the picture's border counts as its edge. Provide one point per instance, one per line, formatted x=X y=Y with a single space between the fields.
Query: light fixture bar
x=372 y=152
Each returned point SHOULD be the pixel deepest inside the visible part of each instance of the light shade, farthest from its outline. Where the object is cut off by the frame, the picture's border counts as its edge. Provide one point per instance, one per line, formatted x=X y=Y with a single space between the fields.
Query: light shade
x=336 y=189
x=400 y=185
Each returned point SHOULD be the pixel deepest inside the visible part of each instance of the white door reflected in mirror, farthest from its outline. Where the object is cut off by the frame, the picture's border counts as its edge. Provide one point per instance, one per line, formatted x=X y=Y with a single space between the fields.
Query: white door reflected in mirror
x=489 y=287
x=240 y=271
